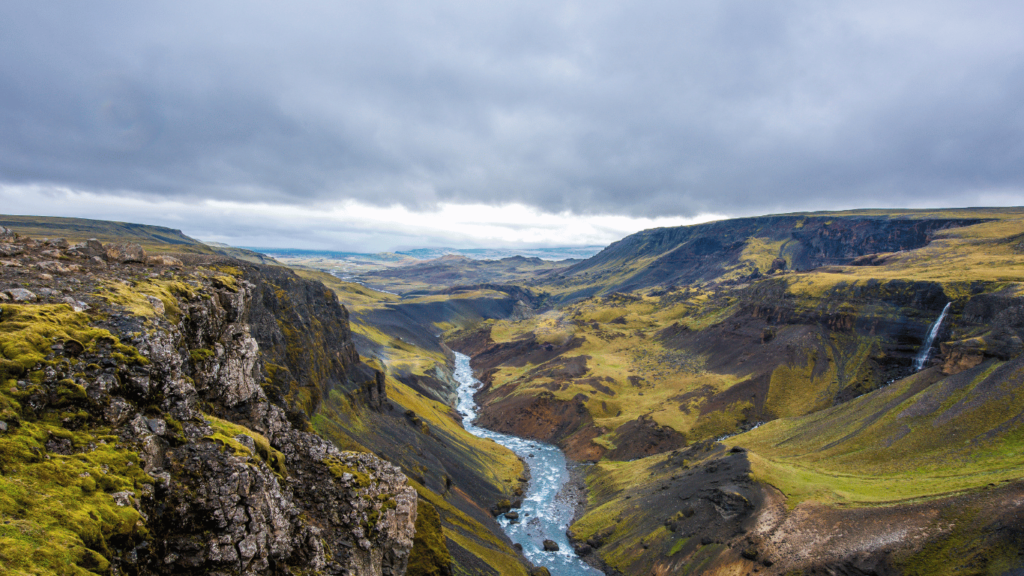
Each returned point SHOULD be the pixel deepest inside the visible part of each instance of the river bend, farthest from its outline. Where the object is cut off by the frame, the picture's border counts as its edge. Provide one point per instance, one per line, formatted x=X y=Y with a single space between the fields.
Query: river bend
x=542 y=516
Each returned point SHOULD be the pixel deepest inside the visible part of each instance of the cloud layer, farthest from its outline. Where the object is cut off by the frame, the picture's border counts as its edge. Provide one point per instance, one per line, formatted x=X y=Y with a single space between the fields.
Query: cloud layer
x=577 y=107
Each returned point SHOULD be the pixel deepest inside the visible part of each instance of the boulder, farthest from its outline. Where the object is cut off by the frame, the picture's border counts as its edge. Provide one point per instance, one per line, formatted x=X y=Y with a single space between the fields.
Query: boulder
x=125 y=252
x=501 y=507
x=156 y=303
x=22 y=295
x=76 y=305
x=550 y=546
x=10 y=249
x=540 y=571
x=88 y=249
x=55 y=242
x=163 y=260
x=6 y=232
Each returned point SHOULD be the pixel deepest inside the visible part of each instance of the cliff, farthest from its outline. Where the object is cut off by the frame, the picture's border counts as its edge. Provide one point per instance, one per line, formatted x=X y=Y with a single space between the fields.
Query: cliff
x=751 y=247
x=154 y=420
x=750 y=395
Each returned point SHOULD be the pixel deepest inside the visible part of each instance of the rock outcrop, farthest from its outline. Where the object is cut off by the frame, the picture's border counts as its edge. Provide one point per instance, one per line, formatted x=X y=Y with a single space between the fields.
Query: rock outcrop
x=168 y=369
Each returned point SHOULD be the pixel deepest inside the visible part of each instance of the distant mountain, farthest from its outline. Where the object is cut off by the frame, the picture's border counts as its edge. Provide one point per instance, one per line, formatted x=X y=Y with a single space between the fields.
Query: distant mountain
x=555 y=253
x=152 y=238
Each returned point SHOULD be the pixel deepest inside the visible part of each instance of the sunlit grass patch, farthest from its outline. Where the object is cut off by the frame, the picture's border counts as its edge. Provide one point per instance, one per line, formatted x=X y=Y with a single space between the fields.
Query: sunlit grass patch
x=958 y=434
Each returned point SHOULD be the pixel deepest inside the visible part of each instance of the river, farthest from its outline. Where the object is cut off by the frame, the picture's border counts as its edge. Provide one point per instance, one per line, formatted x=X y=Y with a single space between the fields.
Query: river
x=543 y=515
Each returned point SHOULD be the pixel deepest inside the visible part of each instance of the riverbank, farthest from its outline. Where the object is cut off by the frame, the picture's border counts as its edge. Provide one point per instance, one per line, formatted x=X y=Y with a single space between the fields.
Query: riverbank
x=574 y=493
x=548 y=507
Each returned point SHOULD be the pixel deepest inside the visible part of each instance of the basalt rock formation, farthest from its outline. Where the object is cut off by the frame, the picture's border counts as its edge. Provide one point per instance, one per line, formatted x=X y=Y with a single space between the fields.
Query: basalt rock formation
x=688 y=254
x=153 y=420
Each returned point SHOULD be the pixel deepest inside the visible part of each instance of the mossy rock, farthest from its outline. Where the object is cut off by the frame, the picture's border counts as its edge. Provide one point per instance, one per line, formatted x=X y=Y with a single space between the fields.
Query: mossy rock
x=58 y=513
x=429 y=556
x=200 y=354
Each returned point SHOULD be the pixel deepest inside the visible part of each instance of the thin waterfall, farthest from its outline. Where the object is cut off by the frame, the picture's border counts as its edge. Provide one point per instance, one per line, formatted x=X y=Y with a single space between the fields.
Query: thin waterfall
x=933 y=333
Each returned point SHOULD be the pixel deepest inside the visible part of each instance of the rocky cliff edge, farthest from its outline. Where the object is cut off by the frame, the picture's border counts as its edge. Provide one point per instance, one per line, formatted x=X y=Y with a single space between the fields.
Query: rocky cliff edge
x=146 y=429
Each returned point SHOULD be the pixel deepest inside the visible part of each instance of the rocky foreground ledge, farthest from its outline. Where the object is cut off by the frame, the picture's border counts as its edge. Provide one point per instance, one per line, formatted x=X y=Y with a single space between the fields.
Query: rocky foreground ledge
x=137 y=435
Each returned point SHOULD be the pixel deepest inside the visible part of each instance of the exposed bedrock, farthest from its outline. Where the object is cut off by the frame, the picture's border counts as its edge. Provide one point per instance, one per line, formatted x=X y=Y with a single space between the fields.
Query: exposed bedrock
x=228 y=480
x=688 y=254
x=704 y=514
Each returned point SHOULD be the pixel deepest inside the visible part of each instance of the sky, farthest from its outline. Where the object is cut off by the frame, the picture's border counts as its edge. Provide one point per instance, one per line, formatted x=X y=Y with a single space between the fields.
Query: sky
x=367 y=126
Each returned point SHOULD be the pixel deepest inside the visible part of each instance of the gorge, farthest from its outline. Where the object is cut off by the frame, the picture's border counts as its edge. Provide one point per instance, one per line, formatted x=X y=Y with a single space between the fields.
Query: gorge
x=540 y=516
x=795 y=394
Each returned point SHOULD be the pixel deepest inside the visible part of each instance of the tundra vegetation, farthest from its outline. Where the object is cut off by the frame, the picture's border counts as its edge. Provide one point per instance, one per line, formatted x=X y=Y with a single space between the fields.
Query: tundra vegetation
x=790 y=339
x=743 y=392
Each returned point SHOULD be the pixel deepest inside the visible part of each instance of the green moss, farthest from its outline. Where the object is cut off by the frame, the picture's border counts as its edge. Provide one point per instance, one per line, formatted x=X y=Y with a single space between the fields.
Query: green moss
x=56 y=512
x=28 y=330
x=228 y=282
x=678 y=546
x=429 y=556
x=200 y=354
x=230 y=270
x=338 y=469
x=472 y=537
x=225 y=433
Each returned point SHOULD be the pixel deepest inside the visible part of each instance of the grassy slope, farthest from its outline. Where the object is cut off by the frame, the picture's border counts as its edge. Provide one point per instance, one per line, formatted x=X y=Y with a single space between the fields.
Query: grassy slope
x=350 y=427
x=618 y=351
x=904 y=442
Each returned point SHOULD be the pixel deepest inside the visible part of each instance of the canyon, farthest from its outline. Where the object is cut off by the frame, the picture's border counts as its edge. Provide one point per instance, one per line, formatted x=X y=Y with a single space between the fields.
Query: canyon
x=820 y=393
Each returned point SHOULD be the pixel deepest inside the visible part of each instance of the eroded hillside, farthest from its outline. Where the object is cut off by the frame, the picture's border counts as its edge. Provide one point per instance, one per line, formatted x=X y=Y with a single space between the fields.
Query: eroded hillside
x=805 y=330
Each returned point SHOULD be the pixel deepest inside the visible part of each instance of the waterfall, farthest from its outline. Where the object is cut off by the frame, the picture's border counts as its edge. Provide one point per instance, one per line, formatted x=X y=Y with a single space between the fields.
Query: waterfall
x=922 y=356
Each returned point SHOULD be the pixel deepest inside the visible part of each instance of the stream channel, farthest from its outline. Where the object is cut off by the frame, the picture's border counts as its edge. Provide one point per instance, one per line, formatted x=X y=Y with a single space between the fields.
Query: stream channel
x=543 y=515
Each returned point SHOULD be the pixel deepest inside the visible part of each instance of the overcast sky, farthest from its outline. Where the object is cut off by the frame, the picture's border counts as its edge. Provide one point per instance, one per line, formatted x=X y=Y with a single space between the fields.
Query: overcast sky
x=379 y=125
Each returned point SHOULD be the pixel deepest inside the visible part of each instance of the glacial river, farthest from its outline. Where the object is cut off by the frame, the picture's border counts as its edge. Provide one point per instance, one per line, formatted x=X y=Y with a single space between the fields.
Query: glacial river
x=542 y=516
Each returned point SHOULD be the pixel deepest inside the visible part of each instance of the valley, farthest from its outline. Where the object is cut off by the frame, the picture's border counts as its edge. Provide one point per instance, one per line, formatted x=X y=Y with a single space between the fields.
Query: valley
x=774 y=395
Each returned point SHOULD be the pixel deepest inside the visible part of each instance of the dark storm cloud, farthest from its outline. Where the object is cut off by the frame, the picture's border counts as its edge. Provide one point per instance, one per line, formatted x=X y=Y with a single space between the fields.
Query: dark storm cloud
x=651 y=108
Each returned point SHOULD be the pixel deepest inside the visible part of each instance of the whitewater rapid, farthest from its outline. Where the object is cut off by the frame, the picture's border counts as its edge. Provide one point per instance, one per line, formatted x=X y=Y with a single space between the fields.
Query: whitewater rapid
x=542 y=515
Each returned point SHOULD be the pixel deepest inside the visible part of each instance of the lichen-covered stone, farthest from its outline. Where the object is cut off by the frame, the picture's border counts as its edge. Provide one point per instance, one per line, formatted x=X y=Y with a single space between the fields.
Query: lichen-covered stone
x=124 y=253
x=223 y=482
x=22 y=295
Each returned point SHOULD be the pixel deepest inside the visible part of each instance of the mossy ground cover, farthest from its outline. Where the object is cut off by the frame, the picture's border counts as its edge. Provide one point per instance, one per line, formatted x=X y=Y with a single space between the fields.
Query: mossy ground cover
x=226 y=433
x=57 y=514
x=134 y=298
x=901 y=443
x=470 y=535
x=28 y=330
x=619 y=337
